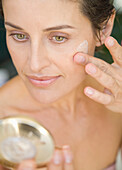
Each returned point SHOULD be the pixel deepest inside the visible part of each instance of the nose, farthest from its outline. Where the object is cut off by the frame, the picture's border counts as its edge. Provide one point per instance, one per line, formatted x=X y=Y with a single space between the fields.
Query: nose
x=38 y=57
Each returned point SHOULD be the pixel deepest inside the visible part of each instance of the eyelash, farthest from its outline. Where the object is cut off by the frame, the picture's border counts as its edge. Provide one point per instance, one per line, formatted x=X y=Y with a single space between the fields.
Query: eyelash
x=17 y=39
x=53 y=38
x=64 y=39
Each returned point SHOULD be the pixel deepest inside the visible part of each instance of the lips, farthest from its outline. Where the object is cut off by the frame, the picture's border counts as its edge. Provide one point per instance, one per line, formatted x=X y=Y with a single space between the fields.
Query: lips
x=42 y=81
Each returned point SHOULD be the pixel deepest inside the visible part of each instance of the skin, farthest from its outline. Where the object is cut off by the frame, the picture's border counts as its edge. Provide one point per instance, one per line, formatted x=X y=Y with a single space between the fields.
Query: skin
x=93 y=124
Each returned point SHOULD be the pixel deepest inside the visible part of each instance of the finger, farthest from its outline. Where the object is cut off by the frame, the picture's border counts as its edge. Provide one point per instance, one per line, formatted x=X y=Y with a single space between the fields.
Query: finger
x=107 y=91
x=99 y=97
x=84 y=59
x=104 y=79
x=68 y=158
x=27 y=165
x=115 y=50
x=57 y=161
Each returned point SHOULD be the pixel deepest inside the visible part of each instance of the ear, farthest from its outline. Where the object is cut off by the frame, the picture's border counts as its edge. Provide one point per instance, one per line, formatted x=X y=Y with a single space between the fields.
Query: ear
x=106 y=31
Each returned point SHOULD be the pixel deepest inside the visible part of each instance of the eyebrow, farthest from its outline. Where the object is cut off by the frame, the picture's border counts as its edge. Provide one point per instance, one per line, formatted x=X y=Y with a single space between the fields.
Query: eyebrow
x=14 y=26
x=45 y=30
x=59 y=28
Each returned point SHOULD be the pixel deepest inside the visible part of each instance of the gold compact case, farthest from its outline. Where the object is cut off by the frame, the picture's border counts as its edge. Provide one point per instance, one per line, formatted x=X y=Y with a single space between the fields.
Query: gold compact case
x=24 y=138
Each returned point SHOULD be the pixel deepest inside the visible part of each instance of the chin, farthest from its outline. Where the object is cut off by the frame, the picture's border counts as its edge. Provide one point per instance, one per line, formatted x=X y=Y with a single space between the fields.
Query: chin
x=46 y=99
x=53 y=94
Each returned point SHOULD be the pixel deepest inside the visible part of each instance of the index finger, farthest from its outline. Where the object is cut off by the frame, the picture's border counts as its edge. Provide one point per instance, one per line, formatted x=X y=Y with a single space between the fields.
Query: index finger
x=84 y=59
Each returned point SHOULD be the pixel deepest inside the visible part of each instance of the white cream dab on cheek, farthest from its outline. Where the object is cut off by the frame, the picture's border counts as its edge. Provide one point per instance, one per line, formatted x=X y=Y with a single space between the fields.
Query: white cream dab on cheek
x=83 y=47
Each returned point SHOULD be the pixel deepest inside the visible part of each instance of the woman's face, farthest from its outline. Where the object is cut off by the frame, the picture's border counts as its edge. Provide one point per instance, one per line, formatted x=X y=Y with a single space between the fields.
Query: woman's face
x=42 y=38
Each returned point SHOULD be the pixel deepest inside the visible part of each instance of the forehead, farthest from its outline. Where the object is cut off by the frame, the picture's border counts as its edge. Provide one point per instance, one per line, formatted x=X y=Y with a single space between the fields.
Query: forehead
x=39 y=7
x=36 y=15
x=41 y=10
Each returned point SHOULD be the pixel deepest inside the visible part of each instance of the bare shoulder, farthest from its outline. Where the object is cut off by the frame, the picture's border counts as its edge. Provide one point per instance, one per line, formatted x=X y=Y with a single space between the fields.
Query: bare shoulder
x=10 y=89
x=10 y=93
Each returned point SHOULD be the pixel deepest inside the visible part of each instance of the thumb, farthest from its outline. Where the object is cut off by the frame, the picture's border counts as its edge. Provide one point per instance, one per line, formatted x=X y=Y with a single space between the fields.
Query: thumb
x=27 y=165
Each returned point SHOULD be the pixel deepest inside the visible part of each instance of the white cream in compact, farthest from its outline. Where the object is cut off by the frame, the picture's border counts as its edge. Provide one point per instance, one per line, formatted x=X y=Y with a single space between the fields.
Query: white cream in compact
x=83 y=47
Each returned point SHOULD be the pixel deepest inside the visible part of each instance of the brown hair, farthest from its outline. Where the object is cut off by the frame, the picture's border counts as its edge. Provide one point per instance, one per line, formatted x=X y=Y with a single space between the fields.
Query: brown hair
x=98 y=12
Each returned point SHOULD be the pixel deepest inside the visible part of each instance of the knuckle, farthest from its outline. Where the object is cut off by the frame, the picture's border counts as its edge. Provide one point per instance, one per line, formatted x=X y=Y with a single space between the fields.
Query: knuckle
x=88 y=59
x=118 y=95
x=118 y=54
x=104 y=67
x=119 y=57
x=109 y=100
x=111 y=83
x=104 y=98
x=98 y=96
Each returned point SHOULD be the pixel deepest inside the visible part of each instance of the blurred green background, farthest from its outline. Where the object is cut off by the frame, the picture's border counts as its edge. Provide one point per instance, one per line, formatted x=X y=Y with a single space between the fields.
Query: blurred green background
x=116 y=33
x=6 y=63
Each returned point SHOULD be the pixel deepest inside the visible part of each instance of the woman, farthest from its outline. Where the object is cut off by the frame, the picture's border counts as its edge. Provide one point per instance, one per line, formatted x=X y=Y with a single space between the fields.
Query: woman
x=74 y=95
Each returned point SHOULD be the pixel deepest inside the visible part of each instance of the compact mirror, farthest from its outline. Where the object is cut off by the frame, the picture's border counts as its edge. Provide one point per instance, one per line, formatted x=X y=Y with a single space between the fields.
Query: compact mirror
x=24 y=138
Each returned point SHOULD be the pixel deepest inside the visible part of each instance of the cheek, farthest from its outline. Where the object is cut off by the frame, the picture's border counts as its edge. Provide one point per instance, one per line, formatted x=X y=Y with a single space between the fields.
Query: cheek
x=64 y=61
x=61 y=53
x=17 y=53
x=62 y=57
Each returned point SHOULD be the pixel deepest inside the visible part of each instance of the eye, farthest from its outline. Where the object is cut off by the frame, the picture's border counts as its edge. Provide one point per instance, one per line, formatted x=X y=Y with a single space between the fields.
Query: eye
x=59 y=39
x=19 y=37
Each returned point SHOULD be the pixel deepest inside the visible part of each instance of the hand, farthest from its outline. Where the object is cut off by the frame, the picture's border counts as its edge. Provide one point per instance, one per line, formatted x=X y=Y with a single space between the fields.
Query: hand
x=108 y=75
x=62 y=160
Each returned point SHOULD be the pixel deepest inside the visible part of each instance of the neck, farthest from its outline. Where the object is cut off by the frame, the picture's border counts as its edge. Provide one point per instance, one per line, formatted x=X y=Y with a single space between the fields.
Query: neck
x=70 y=103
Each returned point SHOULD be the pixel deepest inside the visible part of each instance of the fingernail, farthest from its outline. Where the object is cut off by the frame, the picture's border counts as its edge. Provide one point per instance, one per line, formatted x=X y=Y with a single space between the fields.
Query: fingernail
x=91 y=69
x=89 y=91
x=79 y=59
x=57 y=158
x=67 y=154
x=110 y=42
